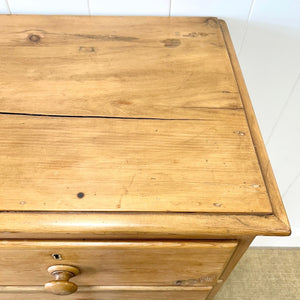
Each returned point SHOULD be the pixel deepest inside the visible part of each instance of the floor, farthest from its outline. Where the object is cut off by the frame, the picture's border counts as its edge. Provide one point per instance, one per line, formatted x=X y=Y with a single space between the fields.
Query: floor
x=264 y=274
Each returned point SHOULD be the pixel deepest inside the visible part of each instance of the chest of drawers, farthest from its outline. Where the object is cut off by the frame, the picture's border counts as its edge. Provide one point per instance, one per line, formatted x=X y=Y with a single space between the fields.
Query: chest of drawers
x=132 y=165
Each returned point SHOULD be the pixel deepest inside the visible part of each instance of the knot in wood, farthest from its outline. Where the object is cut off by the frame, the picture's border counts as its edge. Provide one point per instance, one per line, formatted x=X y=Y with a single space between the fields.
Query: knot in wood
x=34 y=38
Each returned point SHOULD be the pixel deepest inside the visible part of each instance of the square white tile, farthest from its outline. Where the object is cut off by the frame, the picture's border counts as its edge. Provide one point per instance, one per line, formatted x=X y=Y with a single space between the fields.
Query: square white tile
x=284 y=145
x=130 y=7
x=49 y=7
x=270 y=57
x=3 y=7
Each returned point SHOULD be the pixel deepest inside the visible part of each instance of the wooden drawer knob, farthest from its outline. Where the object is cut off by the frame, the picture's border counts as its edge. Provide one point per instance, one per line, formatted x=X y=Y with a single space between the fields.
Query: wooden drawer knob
x=61 y=285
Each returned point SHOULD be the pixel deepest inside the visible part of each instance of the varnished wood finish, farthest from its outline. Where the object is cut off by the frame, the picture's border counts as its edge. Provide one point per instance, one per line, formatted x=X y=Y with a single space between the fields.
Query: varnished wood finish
x=142 y=226
x=266 y=168
x=135 y=165
x=131 y=145
x=130 y=165
x=238 y=253
x=178 y=263
x=115 y=66
x=197 y=157
x=62 y=273
x=215 y=290
x=108 y=293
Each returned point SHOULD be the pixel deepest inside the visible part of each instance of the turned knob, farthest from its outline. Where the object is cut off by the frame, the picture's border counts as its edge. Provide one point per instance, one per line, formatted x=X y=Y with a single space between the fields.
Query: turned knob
x=61 y=285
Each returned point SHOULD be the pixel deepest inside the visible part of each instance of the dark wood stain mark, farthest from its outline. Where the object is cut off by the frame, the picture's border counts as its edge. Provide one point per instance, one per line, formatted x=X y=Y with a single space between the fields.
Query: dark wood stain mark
x=80 y=195
x=171 y=43
x=218 y=45
x=102 y=37
x=240 y=221
x=211 y=22
x=123 y=102
x=34 y=38
x=87 y=49
x=195 y=34
x=203 y=279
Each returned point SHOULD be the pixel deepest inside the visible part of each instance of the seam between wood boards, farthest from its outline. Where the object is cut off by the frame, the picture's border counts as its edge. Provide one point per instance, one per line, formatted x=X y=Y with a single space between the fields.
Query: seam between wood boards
x=113 y=117
x=246 y=116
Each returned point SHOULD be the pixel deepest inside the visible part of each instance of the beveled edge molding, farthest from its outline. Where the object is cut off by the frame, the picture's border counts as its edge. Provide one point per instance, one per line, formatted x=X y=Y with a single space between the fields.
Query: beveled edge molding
x=259 y=146
x=47 y=225
x=20 y=289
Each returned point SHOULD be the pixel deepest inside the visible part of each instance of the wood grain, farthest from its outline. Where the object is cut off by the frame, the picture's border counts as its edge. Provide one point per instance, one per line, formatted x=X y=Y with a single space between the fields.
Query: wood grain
x=135 y=136
x=167 y=136
x=262 y=155
x=151 y=263
x=241 y=248
x=130 y=165
x=136 y=225
x=114 y=66
x=108 y=293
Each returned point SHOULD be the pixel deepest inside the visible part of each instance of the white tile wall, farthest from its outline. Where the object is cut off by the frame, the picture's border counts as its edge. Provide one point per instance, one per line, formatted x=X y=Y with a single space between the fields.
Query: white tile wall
x=292 y=206
x=266 y=35
x=130 y=7
x=284 y=145
x=4 y=7
x=49 y=7
x=235 y=12
x=284 y=150
x=270 y=57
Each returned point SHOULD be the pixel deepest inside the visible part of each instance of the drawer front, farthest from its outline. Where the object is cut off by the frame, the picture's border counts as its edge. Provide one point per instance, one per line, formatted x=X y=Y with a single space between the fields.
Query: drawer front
x=165 y=293
x=144 y=263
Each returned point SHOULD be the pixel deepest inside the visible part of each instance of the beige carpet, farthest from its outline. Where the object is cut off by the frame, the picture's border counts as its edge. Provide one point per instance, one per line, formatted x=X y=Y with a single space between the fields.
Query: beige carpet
x=264 y=274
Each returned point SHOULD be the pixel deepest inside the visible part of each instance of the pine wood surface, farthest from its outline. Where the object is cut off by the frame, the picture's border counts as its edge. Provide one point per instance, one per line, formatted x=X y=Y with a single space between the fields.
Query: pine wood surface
x=153 y=263
x=258 y=143
x=114 y=66
x=189 y=150
x=142 y=225
x=64 y=150
x=110 y=293
x=130 y=165
x=128 y=130
x=241 y=248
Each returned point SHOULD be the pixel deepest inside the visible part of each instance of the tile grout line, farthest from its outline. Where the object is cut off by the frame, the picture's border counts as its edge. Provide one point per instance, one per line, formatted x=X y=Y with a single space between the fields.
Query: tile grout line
x=285 y=105
x=290 y=185
x=247 y=26
x=89 y=7
x=170 y=6
x=7 y=4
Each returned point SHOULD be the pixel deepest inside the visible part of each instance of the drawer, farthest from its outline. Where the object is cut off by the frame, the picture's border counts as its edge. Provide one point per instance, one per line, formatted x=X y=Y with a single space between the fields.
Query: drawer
x=199 y=293
x=116 y=263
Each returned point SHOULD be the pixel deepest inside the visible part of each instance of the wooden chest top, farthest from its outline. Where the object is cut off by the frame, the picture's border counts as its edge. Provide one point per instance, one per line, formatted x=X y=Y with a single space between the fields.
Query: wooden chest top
x=122 y=114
